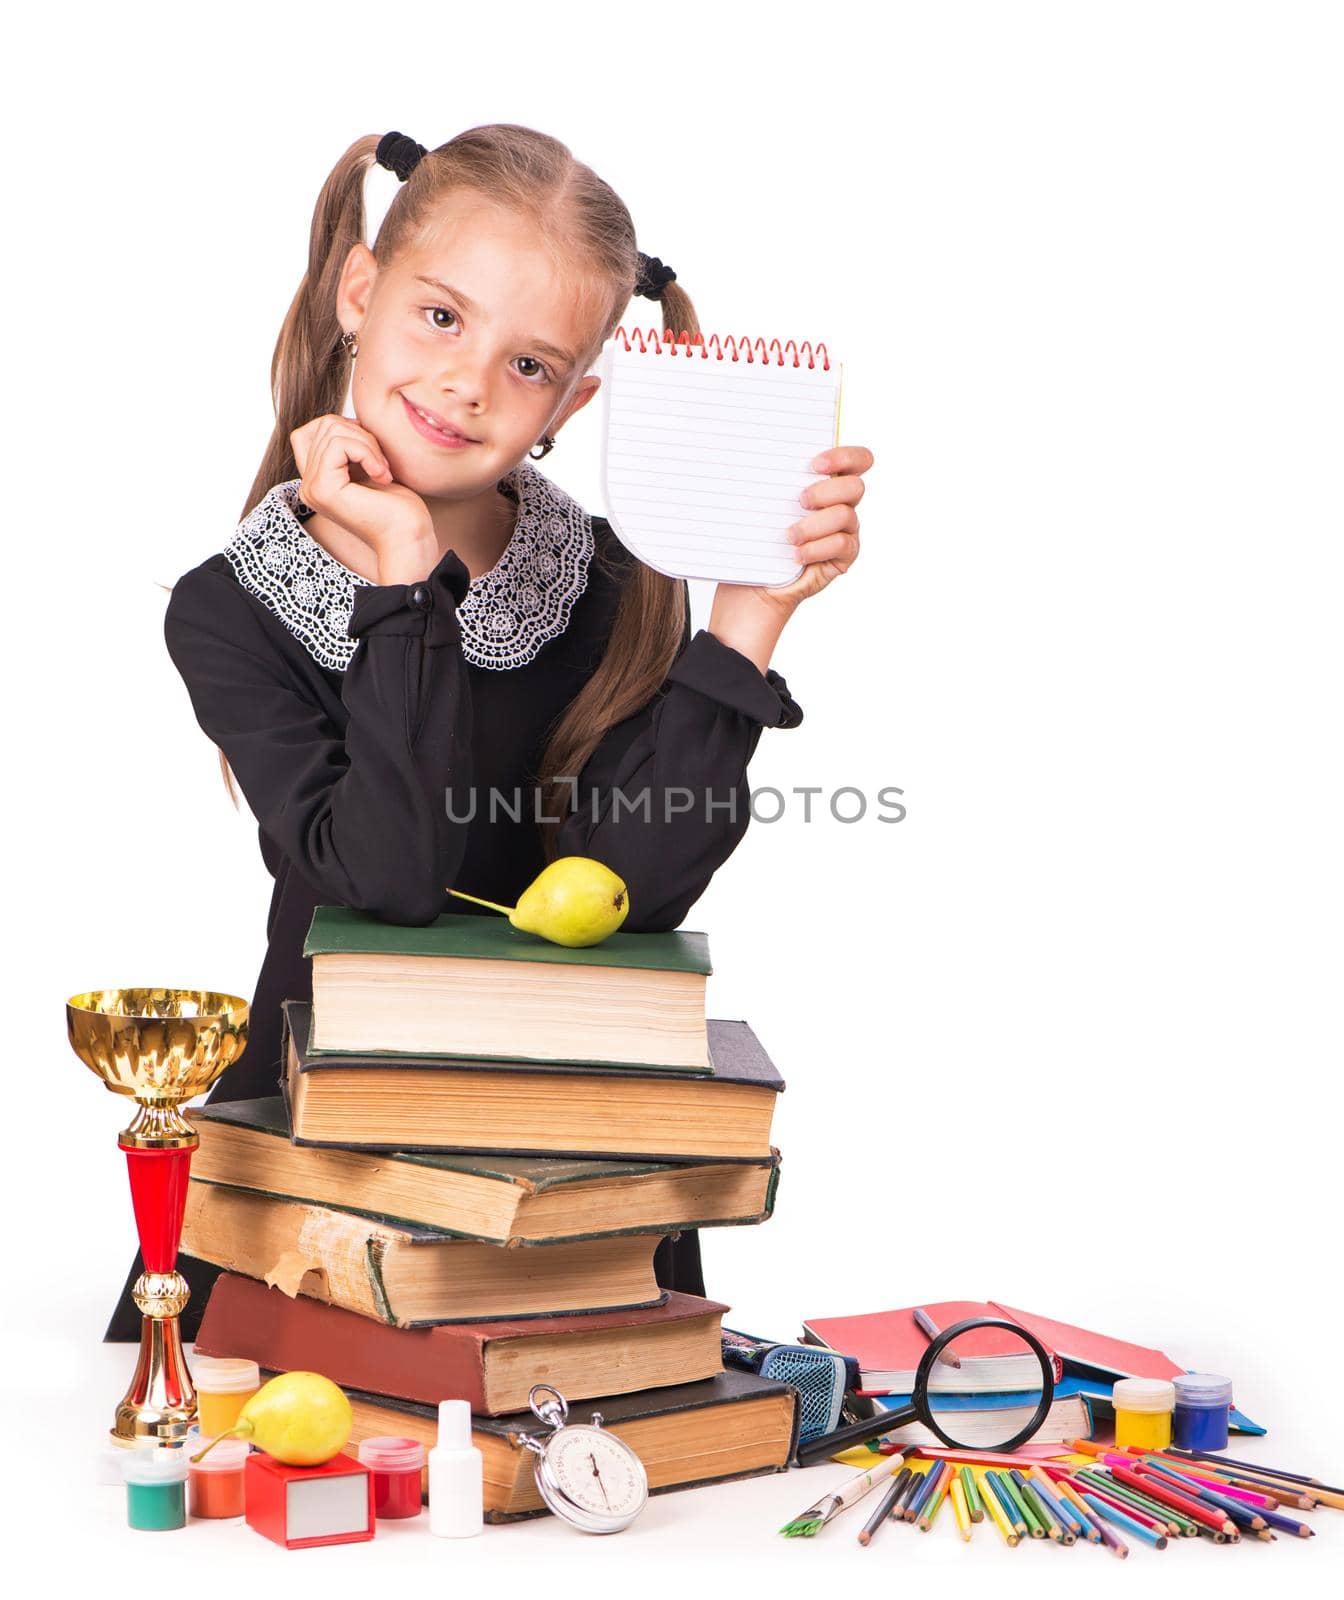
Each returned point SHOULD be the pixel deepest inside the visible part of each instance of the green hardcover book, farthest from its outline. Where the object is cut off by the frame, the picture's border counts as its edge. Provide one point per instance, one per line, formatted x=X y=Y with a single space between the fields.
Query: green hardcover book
x=495 y=1199
x=470 y=986
x=535 y=1108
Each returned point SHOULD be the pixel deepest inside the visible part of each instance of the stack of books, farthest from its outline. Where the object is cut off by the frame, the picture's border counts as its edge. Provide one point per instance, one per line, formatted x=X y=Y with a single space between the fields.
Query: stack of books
x=480 y=1142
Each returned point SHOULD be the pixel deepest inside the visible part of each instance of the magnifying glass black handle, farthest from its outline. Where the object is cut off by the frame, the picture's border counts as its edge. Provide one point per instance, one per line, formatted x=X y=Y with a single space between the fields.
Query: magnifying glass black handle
x=854 y=1433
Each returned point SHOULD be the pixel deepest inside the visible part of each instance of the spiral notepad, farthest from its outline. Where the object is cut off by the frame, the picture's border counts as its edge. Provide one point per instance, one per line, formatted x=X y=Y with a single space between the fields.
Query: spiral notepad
x=707 y=447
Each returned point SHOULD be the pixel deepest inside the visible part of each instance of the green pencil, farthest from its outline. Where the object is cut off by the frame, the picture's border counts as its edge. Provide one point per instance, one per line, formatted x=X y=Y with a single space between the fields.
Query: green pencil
x=1035 y=1527
x=974 y=1506
x=939 y=1495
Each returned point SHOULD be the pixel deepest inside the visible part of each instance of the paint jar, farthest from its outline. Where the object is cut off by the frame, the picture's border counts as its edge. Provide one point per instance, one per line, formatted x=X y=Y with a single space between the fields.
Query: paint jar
x=1202 y=1403
x=396 y=1465
x=224 y=1385
x=156 y=1484
x=1143 y=1409
x=215 y=1485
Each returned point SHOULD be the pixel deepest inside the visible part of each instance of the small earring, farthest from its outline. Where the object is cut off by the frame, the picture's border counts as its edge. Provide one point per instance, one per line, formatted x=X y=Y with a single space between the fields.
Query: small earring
x=547 y=445
x=351 y=343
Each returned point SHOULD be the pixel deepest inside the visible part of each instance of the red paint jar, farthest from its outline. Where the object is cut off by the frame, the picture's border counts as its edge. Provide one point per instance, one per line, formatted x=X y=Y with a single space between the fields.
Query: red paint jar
x=396 y=1465
x=215 y=1485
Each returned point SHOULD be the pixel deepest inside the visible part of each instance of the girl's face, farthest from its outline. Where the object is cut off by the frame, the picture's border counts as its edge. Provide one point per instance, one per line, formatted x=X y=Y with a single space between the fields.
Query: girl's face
x=475 y=327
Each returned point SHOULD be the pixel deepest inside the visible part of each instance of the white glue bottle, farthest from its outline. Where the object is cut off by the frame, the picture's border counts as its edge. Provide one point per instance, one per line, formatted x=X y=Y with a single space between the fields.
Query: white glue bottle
x=455 y=1475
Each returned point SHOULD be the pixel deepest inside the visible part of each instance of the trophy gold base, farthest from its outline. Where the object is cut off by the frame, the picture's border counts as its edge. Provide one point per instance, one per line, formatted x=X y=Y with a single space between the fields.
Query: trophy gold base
x=160 y=1405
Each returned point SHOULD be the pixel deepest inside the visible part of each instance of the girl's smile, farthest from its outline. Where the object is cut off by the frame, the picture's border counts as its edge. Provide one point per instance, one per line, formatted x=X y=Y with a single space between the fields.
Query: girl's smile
x=433 y=427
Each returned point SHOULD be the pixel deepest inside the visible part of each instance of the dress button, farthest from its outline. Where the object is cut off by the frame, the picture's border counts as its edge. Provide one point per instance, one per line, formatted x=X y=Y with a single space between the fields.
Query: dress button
x=420 y=597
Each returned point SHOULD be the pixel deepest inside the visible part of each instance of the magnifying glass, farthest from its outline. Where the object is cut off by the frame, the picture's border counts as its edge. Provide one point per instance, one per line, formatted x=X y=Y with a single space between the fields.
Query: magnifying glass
x=982 y=1384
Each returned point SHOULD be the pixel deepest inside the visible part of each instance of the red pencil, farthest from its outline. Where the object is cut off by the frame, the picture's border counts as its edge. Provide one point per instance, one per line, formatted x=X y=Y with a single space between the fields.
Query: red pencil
x=1149 y=1483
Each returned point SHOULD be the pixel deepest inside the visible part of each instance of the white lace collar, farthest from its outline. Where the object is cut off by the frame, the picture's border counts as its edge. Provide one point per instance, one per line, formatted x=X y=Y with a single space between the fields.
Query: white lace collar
x=508 y=614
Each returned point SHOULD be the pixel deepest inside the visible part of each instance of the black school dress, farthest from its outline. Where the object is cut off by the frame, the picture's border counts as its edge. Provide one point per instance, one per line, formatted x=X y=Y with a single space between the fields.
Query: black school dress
x=368 y=725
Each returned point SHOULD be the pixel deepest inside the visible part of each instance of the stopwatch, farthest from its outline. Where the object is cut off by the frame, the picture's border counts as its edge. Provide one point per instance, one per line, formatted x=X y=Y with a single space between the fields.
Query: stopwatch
x=585 y=1474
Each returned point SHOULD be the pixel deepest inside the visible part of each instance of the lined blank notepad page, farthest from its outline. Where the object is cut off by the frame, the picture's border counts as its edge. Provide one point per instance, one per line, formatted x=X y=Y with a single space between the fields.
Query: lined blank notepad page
x=704 y=457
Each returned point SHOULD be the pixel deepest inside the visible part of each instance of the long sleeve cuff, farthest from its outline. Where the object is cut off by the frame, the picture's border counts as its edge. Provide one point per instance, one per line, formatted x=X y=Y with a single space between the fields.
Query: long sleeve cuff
x=719 y=672
x=425 y=610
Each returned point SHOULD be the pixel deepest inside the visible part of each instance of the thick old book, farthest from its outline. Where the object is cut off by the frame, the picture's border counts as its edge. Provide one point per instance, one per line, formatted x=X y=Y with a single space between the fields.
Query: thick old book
x=427 y=1103
x=409 y=1276
x=734 y=1425
x=492 y=1198
x=491 y=1364
x=470 y=986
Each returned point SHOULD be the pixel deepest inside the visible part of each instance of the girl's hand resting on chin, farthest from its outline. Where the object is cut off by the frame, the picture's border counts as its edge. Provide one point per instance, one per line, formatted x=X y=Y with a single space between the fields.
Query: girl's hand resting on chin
x=750 y=617
x=345 y=476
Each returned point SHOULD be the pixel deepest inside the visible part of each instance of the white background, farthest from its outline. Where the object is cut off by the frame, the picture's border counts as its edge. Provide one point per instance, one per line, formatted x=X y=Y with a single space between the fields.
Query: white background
x=1066 y=1036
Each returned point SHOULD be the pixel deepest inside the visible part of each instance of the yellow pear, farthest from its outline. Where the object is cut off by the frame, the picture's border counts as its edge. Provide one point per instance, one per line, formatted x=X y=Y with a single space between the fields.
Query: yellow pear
x=575 y=901
x=300 y=1418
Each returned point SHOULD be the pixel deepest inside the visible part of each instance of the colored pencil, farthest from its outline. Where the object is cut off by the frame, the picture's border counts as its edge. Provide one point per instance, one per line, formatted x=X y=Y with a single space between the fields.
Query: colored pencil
x=915 y=1500
x=1122 y=1520
x=904 y=1479
x=1211 y=1480
x=930 y=1329
x=1053 y=1528
x=1066 y=1491
x=1238 y=1510
x=973 y=1507
x=1061 y=1512
x=1035 y=1527
x=1007 y=1504
x=1213 y=1520
x=1109 y=1537
x=879 y=1516
x=1258 y=1466
x=933 y=1505
x=1291 y=1491
x=1177 y=1522
x=960 y=1510
x=997 y=1515
x=1146 y=1510
x=1288 y=1524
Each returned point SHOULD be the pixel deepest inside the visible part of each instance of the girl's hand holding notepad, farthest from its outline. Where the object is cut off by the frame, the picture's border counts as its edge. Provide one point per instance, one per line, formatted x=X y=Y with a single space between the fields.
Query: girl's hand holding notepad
x=751 y=617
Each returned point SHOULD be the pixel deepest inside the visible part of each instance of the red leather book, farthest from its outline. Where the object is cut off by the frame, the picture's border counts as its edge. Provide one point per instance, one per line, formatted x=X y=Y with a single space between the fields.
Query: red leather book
x=490 y=1364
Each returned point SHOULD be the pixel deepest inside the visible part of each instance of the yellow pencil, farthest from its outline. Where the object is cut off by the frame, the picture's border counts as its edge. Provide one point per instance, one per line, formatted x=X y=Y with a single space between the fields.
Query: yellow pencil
x=991 y=1503
x=960 y=1509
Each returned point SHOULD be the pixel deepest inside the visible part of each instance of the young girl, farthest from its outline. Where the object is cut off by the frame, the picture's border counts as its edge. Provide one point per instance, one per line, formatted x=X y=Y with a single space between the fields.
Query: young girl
x=411 y=616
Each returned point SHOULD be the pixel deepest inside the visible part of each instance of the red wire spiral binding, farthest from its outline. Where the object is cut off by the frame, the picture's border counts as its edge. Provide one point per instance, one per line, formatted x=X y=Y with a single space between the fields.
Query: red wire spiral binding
x=726 y=348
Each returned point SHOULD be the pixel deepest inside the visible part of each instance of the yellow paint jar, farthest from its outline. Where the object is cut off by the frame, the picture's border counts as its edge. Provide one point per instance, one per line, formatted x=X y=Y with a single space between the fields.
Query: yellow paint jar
x=224 y=1385
x=1143 y=1408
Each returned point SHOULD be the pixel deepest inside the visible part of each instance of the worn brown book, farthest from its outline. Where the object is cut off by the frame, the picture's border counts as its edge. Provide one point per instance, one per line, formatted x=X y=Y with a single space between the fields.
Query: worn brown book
x=734 y=1425
x=492 y=1365
x=428 y=1103
x=497 y=1199
x=406 y=1275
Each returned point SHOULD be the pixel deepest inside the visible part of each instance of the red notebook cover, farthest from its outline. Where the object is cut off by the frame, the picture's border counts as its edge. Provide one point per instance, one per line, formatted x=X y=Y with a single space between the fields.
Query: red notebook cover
x=1094 y=1349
x=891 y=1342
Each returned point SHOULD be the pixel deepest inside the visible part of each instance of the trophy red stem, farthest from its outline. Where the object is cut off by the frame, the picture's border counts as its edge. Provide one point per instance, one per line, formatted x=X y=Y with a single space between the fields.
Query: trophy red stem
x=159 y=1195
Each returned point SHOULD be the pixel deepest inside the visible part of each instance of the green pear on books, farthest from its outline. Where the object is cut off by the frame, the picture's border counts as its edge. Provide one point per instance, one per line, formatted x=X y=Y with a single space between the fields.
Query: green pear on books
x=575 y=901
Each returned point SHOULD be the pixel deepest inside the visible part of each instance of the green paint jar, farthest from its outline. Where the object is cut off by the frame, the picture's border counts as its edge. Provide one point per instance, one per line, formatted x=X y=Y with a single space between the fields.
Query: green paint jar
x=156 y=1487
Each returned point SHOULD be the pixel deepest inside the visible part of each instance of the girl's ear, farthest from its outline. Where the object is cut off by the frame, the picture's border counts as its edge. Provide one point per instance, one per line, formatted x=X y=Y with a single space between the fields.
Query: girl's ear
x=356 y=285
x=584 y=391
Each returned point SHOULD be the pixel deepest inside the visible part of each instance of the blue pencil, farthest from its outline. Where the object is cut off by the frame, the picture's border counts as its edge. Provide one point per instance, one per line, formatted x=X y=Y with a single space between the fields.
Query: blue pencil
x=1243 y=1514
x=1151 y=1535
x=1006 y=1501
x=915 y=1504
x=1054 y=1504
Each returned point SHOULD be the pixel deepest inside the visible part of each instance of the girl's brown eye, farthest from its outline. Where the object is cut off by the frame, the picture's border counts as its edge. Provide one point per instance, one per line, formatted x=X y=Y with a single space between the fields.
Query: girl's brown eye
x=441 y=311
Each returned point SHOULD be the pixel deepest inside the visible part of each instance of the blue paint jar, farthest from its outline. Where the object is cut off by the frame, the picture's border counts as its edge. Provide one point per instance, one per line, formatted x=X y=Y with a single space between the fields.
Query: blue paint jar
x=1202 y=1404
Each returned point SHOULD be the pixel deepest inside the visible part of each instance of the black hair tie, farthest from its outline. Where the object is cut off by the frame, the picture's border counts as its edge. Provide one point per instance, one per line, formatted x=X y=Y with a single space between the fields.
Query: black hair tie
x=399 y=153
x=654 y=277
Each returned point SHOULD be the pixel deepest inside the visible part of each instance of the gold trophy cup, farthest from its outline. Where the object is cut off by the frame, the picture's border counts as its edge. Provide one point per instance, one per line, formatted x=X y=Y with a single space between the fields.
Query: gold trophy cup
x=162 y=1047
